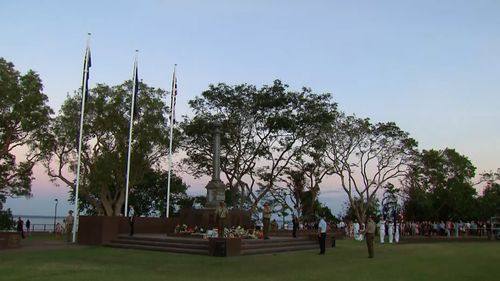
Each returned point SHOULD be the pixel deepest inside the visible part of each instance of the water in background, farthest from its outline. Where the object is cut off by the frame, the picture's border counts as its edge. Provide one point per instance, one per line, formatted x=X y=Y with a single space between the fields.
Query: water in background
x=40 y=223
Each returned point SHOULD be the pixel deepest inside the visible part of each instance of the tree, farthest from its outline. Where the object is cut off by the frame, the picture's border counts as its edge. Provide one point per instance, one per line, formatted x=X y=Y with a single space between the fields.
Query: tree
x=24 y=119
x=300 y=189
x=373 y=208
x=231 y=108
x=490 y=177
x=418 y=205
x=296 y=188
x=149 y=196
x=263 y=130
x=303 y=178
x=439 y=185
x=283 y=214
x=489 y=202
x=390 y=202
x=366 y=156
x=326 y=213
x=6 y=220
x=105 y=144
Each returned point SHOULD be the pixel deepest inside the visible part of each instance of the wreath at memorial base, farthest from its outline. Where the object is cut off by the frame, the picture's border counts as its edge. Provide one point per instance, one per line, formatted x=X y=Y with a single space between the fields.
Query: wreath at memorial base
x=233 y=232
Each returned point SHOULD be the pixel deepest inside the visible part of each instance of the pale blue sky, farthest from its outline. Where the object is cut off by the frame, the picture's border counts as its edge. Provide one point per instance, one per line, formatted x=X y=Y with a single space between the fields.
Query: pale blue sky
x=430 y=66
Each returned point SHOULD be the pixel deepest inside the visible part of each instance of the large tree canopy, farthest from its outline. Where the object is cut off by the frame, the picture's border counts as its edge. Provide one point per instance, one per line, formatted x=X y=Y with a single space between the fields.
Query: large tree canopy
x=105 y=143
x=149 y=196
x=263 y=130
x=24 y=118
x=366 y=156
x=489 y=202
x=439 y=186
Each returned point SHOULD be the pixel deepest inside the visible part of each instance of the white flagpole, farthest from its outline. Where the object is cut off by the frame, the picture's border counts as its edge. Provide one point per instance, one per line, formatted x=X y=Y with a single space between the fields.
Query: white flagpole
x=172 y=116
x=132 y=107
x=78 y=167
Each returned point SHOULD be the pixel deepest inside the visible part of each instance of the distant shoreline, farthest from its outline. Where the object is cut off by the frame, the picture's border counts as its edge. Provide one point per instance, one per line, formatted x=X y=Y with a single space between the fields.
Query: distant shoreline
x=37 y=217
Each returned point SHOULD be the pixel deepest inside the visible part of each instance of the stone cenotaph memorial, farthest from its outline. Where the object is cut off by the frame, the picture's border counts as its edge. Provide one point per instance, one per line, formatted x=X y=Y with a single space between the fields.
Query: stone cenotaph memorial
x=215 y=188
x=215 y=193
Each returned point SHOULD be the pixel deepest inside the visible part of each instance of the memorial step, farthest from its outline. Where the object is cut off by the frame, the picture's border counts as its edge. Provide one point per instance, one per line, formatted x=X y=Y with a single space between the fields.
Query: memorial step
x=182 y=250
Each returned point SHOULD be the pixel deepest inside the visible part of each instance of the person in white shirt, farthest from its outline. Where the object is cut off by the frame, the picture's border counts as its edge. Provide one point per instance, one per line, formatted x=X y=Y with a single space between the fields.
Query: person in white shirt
x=362 y=229
x=131 y=219
x=322 y=235
x=356 y=230
x=396 y=234
x=381 y=230
x=390 y=231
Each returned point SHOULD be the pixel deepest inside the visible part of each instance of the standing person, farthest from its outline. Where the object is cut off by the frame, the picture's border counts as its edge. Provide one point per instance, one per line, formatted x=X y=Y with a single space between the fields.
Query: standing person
x=295 y=223
x=381 y=230
x=28 y=225
x=59 y=229
x=20 y=227
x=69 y=220
x=131 y=219
x=370 y=235
x=266 y=219
x=362 y=231
x=396 y=233
x=322 y=235
x=221 y=215
x=274 y=225
x=356 y=231
x=390 y=231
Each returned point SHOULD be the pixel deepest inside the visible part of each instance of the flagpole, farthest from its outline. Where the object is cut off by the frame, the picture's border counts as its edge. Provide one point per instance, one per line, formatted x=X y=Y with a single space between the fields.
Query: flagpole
x=132 y=108
x=78 y=167
x=172 y=112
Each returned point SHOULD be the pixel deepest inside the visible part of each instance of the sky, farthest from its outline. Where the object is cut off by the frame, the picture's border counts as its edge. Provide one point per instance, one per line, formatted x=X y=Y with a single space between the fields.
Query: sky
x=430 y=66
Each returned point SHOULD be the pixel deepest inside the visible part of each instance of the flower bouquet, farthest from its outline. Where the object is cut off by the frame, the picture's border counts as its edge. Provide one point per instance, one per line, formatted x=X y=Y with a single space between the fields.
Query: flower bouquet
x=182 y=229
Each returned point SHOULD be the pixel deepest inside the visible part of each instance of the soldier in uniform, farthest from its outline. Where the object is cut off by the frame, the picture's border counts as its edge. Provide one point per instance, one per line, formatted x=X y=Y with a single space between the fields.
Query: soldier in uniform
x=390 y=231
x=381 y=230
x=266 y=219
x=396 y=234
x=295 y=222
x=356 y=231
x=370 y=235
x=221 y=215
x=69 y=220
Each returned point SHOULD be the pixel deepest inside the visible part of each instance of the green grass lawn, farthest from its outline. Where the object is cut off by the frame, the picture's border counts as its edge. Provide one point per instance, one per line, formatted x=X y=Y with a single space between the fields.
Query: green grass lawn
x=348 y=261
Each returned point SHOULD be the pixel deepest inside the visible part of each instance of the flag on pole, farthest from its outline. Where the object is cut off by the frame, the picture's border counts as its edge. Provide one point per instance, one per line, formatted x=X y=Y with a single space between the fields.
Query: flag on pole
x=173 y=98
x=172 y=122
x=133 y=110
x=135 y=87
x=85 y=85
x=87 y=63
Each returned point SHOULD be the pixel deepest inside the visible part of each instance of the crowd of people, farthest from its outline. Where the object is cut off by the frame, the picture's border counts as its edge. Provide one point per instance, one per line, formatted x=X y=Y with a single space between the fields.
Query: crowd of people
x=354 y=230
x=446 y=228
